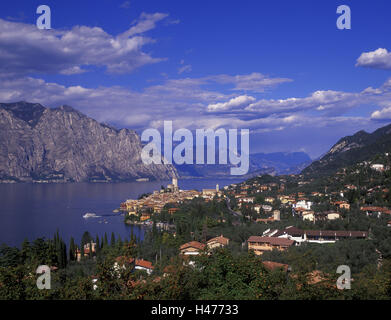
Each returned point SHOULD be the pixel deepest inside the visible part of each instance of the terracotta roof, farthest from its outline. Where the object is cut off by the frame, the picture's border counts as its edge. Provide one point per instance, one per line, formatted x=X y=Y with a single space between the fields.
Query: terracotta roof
x=293 y=231
x=220 y=239
x=144 y=263
x=192 y=244
x=337 y=233
x=265 y=220
x=272 y=240
x=376 y=209
x=340 y=202
x=123 y=259
x=271 y=265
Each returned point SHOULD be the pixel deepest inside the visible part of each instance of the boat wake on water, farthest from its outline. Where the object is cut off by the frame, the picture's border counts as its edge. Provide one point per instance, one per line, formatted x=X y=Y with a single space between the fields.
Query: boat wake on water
x=94 y=215
x=90 y=215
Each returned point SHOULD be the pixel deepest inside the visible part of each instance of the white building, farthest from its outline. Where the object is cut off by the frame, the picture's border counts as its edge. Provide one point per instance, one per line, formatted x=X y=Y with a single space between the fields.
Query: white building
x=303 y=204
x=309 y=215
x=377 y=167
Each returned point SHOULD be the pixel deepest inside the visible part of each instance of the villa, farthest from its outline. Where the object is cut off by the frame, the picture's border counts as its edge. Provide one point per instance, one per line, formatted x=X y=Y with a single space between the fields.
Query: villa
x=262 y=244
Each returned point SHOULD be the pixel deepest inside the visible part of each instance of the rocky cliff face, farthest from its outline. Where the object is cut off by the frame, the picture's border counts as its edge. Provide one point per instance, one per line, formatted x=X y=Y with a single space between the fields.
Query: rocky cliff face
x=62 y=144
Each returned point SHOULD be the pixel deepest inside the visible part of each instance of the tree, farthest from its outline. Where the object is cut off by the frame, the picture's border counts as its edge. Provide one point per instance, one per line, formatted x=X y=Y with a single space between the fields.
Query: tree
x=105 y=242
x=26 y=251
x=72 y=250
x=86 y=238
x=119 y=242
x=82 y=251
x=63 y=255
x=97 y=245
x=112 y=241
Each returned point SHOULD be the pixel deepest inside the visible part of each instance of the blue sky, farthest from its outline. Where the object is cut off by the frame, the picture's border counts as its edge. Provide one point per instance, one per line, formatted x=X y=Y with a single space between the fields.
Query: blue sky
x=280 y=68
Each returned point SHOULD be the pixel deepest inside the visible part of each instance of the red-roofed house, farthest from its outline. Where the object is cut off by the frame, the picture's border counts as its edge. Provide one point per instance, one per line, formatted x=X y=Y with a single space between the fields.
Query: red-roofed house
x=191 y=248
x=138 y=264
x=375 y=211
x=144 y=265
x=217 y=242
x=261 y=244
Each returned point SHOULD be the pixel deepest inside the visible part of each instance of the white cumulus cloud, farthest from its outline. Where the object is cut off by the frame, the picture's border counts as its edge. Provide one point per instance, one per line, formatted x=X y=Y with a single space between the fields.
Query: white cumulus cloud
x=237 y=102
x=378 y=59
x=24 y=49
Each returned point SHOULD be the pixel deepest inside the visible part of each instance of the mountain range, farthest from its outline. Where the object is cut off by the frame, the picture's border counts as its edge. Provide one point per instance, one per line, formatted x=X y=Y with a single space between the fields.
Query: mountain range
x=282 y=162
x=62 y=144
x=259 y=163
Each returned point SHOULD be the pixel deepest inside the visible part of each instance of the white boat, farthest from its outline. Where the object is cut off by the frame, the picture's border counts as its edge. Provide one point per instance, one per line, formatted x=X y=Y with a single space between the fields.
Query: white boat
x=90 y=215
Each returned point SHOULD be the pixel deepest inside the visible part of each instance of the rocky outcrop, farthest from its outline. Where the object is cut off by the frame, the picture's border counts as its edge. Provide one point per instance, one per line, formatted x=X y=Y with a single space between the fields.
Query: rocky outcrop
x=62 y=144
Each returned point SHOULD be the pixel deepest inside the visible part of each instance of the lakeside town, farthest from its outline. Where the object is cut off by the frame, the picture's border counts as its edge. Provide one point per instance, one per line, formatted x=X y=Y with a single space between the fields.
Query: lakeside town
x=273 y=206
x=269 y=237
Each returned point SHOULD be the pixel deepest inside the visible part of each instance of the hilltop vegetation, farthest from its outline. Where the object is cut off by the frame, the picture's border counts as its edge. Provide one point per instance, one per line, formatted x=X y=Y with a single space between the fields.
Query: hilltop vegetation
x=350 y=150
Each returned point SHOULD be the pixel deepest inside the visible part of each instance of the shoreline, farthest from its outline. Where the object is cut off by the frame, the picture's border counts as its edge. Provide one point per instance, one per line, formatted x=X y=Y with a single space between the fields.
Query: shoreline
x=119 y=181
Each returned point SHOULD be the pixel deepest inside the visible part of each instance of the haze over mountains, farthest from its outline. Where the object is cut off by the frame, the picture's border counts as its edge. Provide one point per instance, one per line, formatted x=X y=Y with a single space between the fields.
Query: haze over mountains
x=282 y=162
x=276 y=163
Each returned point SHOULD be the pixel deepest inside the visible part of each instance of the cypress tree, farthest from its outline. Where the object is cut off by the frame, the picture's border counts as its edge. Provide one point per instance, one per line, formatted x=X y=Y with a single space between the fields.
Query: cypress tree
x=131 y=233
x=58 y=249
x=25 y=251
x=112 y=241
x=64 y=254
x=97 y=245
x=82 y=251
x=119 y=242
x=72 y=250
x=86 y=238
x=105 y=241
x=90 y=251
x=154 y=230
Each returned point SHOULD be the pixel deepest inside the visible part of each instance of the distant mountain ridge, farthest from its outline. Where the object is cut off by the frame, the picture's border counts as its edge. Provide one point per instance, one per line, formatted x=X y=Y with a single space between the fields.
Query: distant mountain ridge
x=260 y=163
x=62 y=144
x=349 y=150
x=282 y=162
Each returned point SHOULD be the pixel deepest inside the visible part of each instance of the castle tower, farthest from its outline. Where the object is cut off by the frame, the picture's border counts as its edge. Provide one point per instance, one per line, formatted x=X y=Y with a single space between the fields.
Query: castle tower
x=175 y=184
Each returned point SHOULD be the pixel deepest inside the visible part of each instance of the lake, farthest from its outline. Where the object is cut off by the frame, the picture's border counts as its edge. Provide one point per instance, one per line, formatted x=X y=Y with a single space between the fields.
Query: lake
x=37 y=210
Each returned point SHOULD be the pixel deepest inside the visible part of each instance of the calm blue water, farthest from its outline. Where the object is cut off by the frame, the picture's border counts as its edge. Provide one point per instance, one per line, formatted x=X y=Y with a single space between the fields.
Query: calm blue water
x=37 y=210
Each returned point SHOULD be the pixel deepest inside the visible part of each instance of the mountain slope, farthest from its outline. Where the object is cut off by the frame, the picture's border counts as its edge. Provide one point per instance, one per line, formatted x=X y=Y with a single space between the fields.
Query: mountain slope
x=62 y=144
x=349 y=150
